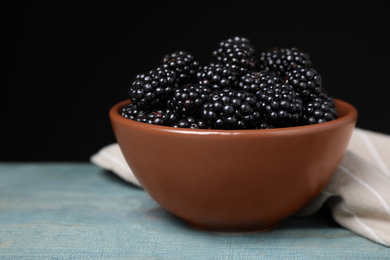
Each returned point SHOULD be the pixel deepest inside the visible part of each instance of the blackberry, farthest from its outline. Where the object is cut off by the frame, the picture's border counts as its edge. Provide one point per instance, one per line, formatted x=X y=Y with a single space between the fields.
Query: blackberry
x=231 y=109
x=183 y=64
x=279 y=103
x=319 y=108
x=254 y=82
x=163 y=116
x=152 y=89
x=190 y=122
x=283 y=60
x=305 y=81
x=130 y=111
x=218 y=76
x=236 y=51
x=188 y=100
x=238 y=42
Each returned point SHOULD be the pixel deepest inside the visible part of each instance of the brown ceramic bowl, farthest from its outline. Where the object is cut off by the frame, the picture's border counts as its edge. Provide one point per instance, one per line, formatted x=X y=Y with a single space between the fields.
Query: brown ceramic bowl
x=234 y=180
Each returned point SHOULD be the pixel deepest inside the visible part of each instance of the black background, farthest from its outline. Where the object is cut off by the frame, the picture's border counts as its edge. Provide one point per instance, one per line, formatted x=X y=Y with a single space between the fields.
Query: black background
x=69 y=63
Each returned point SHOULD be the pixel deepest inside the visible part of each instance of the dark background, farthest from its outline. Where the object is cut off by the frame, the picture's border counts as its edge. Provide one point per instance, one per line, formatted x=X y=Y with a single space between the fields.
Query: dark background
x=69 y=63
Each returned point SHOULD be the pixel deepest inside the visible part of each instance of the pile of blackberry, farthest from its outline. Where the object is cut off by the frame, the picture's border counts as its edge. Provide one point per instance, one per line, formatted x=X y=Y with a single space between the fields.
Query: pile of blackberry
x=238 y=89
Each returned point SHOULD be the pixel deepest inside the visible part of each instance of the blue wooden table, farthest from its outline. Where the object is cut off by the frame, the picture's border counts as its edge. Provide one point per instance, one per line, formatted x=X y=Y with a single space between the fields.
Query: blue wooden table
x=79 y=211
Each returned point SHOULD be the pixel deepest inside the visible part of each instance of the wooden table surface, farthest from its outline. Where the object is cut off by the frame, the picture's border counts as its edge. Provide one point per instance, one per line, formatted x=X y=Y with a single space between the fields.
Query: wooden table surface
x=79 y=211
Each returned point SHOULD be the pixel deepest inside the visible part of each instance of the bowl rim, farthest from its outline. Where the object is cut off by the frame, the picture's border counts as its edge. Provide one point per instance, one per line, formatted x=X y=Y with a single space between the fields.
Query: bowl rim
x=350 y=116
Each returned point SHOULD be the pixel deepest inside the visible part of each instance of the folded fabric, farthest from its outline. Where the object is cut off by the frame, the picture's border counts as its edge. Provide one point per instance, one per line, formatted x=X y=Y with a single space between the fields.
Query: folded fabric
x=358 y=195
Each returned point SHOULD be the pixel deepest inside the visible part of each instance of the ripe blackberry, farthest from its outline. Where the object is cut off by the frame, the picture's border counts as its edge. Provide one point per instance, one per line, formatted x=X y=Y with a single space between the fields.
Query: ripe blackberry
x=231 y=109
x=183 y=64
x=190 y=122
x=152 y=89
x=188 y=100
x=163 y=116
x=280 y=105
x=254 y=82
x=319 y=108
x=236 y=51
x=305 y=81
x=238 y=42
x=130 y=111
x=218 y=76
x=283 y=60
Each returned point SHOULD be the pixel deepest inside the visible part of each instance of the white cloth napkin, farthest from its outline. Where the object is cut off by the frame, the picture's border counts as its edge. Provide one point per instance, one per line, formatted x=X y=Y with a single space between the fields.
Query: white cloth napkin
x=358 y=194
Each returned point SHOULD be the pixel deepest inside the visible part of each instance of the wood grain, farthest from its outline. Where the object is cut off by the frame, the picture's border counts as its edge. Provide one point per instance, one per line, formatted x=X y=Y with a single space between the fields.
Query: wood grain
x=79 y=211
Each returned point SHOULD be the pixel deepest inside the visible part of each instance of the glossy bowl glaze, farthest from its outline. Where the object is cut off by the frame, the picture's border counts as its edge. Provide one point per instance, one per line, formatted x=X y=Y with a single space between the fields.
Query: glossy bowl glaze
x=234 y=180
